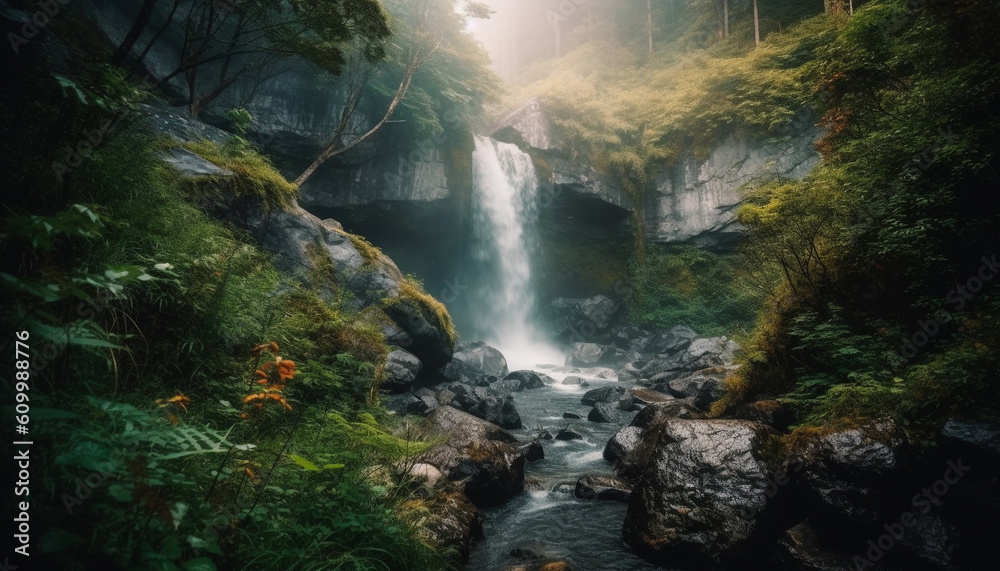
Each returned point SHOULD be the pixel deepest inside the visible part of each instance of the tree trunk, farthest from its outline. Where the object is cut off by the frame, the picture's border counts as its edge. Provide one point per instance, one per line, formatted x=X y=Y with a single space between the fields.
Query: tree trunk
x=725 y=18
x=756 y=24
x=133 y=34
x=649 y=24
x=334 y=148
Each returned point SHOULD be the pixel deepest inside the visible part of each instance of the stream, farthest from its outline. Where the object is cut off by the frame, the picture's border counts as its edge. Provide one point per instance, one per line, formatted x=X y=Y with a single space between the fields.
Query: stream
x=554 y=523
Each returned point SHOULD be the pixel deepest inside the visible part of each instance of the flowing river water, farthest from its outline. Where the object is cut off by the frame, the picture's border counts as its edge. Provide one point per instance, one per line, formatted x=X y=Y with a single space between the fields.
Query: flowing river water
x=550 y=520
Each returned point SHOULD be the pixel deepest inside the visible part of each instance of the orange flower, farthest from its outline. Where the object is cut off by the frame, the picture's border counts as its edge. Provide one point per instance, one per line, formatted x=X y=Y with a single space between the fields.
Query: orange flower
x=249 y=474
x=180 y=399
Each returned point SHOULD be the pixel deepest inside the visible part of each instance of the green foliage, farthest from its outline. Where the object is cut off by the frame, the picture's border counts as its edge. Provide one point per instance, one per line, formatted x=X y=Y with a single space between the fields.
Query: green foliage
x=150 y=308
x=865 y=249
x=254 y=175
x=682 y=285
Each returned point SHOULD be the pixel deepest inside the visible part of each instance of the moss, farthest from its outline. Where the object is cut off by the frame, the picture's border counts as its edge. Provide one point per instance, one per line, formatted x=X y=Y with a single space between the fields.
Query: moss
x=411 y=290
x=254 y=174
x=371 y=254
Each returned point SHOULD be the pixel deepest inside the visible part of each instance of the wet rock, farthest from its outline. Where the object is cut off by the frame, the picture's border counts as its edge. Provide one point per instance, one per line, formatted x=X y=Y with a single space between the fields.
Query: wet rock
x=704 y=388
x=671 y=342
x=645 y=396
x=533 y=484
x=545 y=435
x=574 y=317
x=770 y=412
x=407 y=403
x=934 y=542
x=976 y=439
x=506 y=387
x=619 y=395
x=659 y=412
x=609 y=412
x=571 y=416
x=847 y=472
x=622 y=444
x=527 y=379
x=449 y=521
x=532 y=451
x=401 y=369
x=566 y=434
x=480 y=457
x=586 y=354
x=498 y=410
x=687 y=510
x=573 y=380
x=800 y=549
x=603 y=488
x=473 y=359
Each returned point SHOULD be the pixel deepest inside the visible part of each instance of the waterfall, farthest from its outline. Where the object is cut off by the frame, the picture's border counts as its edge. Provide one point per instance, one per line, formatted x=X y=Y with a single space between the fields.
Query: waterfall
x=505 y=218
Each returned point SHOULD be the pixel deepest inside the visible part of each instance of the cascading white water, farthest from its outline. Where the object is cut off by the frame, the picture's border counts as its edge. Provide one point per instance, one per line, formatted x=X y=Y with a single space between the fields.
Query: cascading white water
x=506 y=219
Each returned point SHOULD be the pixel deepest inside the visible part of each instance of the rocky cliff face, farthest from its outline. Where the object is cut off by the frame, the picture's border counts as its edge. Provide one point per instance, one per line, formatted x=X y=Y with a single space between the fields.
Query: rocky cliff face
x=694 y=200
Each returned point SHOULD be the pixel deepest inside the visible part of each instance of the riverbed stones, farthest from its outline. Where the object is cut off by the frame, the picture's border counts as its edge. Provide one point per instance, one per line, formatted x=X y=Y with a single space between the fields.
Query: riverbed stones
x=702 y=476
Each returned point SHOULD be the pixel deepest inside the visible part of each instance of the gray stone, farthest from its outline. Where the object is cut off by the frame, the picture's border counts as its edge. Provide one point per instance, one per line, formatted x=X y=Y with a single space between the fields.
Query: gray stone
x=603 y=488
x=400 y=370
x=687 y=509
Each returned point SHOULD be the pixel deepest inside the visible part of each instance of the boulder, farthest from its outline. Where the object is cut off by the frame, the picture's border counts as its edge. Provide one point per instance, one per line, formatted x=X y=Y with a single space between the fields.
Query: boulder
x=573 y=319
x=671 y=342
x=425 y=473
x=622 y=444
x=657 y=413
x=701 y=477
x=567 y=434
x=645 y=396
x=528 y=379
x=498 y=410
x=473 y=359
x=978 y=440
x=799 y=549
x=408 y=403
x=448 y=521
x=603 y=488
x=571 y=416
x=532 y=451
x=586 y=354
x=481 y=458
x=770 y=412
x=400 y=370
x=610 y=413
x=847 y=473
x=573 y=380
x=702 y=388
x=619 y=395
